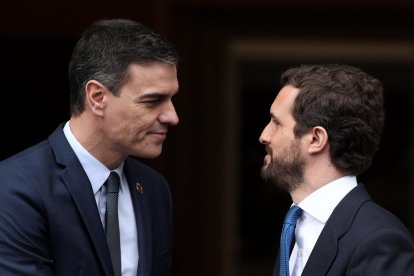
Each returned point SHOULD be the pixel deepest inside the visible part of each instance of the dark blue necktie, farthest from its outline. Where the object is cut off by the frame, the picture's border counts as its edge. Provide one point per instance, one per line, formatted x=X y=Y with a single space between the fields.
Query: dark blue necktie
x=286 y=238
x=112 y=225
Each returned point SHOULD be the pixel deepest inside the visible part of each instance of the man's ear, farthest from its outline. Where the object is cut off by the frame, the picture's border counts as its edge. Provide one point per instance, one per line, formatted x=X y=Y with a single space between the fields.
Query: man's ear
x=319 y=140
x=95 y=96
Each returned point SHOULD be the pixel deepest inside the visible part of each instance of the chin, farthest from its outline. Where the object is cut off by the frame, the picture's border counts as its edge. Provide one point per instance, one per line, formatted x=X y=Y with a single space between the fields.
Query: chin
x=148 y=154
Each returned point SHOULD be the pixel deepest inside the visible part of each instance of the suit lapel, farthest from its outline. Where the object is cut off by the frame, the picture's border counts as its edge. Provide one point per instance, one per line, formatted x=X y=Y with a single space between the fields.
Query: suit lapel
x=326 y=247
x=142 y=218
x=324 y=252
x=78 y=185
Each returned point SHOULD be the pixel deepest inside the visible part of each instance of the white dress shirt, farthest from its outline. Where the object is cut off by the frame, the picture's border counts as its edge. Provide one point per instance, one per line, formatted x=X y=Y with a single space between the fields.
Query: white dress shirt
x=317 y=208
x=97 y=174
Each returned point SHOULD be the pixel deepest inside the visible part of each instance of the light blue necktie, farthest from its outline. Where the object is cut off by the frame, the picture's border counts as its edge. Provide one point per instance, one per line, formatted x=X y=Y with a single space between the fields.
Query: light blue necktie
x=286 y=238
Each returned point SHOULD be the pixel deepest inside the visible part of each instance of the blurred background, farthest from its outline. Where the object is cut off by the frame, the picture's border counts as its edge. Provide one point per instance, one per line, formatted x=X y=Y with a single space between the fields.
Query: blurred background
x=227 y=220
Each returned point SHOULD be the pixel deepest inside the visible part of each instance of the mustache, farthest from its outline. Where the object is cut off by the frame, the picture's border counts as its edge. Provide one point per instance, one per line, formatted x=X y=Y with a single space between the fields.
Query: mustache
x=268 y=150
x=161 y=129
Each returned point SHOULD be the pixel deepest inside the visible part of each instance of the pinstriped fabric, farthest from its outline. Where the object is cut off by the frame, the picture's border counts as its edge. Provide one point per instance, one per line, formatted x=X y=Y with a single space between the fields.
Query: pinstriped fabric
x=288 y=231
x=112 y=225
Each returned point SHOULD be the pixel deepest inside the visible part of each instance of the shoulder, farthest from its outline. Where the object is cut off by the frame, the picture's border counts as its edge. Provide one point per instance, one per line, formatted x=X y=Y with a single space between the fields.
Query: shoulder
x=357 y=209
x=34 y=157
x=370 y=223
x=374 y=218
x=370 y=237
x=26 y=162
x=383 y=244
x=357 y=217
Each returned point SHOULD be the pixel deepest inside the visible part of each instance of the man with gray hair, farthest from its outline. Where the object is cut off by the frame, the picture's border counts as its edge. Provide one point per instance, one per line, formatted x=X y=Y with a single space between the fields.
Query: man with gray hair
x=79 y=203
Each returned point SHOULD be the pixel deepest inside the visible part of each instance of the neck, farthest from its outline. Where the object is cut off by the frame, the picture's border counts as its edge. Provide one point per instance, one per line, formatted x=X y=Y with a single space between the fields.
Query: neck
x=93 y=138
x=315 y=178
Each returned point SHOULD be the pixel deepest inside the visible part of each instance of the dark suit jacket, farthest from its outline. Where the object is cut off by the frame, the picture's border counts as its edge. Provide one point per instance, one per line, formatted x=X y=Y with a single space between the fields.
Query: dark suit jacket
x=361 y=238
x=49 y=221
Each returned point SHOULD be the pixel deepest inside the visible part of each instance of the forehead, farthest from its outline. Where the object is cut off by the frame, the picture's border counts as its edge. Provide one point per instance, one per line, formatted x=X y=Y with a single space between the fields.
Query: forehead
x=284 y=100
x=153 y=76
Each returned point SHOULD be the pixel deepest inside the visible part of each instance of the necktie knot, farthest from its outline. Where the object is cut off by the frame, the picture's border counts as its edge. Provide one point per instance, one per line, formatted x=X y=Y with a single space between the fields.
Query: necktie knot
x=112 y=183
x=292 y=215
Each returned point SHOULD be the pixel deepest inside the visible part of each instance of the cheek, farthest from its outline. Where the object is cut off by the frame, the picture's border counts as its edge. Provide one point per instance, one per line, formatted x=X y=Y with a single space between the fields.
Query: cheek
x=276 y=141
x=139 y=126
x=279 y=142
x=136 y=128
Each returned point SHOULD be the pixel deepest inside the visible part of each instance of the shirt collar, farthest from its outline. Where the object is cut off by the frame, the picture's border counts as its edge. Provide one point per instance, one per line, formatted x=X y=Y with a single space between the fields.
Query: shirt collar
x=321 y=203
x=95 y=170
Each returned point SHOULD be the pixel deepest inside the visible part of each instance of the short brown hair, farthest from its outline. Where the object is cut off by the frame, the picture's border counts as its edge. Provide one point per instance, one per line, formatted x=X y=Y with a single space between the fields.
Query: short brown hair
x=345 y=101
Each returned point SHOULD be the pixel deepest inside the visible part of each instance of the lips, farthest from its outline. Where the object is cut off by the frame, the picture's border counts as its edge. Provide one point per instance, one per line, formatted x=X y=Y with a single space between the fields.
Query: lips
x=159 y=133
x=268 y=156
x=163 y=134
x=267 y=159
x=158 y=136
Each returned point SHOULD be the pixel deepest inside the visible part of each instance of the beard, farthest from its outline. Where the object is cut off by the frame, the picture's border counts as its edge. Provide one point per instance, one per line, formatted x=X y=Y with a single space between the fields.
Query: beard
x=285 y=170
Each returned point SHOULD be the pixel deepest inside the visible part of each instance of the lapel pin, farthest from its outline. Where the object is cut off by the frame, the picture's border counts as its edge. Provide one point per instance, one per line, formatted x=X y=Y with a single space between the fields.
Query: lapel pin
x=139 y=188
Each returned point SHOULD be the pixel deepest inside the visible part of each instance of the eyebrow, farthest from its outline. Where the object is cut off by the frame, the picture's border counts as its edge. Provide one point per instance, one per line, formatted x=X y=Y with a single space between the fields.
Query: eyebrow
x=274 y=117
x=154 y=95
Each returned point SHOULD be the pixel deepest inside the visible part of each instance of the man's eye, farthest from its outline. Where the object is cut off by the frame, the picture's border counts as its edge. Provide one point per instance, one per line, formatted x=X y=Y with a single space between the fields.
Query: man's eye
x=153 y=101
